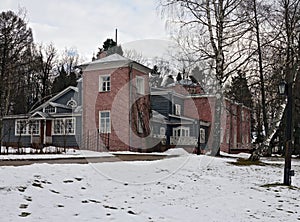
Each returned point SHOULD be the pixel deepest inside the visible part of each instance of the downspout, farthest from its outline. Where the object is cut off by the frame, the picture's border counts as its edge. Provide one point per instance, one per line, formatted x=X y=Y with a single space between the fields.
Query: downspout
x=130 y=99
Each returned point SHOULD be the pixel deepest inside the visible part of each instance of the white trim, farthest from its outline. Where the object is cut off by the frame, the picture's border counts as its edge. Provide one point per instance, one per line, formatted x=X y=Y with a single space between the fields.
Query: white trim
x=64 y=127
x=182 y=129
x=72 y=101
x=178 y=109
x=138 y=89
x=27 y=127
x=109 y=129
x=100 y=86
x=44 y=109
x=202 y=135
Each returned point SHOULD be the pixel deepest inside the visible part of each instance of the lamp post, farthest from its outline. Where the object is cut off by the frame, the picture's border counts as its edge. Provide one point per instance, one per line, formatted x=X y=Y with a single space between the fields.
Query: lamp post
x=286 y=89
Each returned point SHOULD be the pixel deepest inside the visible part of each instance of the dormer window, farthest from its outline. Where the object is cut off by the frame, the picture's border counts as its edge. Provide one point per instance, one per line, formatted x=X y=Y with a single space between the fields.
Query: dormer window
x=72 y=103
x=49 y=109
x=177 y=109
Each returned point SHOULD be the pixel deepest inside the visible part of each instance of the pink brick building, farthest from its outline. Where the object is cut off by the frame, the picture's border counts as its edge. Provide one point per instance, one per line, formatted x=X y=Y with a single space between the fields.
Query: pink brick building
x=116 y=104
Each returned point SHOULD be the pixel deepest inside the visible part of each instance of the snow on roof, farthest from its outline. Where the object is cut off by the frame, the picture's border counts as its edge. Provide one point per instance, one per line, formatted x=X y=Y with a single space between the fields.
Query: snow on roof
x=111 y=58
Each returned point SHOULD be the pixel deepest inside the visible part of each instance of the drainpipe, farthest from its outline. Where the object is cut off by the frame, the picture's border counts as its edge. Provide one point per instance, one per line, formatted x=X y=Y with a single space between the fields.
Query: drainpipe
x=130 y=99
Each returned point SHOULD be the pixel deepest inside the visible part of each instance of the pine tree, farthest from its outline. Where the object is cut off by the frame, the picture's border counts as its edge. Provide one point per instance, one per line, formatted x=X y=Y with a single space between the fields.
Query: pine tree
x=239 y=90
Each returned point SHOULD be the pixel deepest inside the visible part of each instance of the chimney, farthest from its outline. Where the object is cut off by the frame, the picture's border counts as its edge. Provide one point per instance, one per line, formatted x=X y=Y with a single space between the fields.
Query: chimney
x=116 y=38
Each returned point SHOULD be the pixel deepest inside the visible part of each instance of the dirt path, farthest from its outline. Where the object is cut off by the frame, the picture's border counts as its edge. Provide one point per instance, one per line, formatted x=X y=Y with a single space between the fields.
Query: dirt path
x=86 y=160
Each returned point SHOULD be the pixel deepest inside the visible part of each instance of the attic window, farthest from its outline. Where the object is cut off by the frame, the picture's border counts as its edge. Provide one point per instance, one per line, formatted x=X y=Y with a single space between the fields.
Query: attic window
x=72 y=103
x=49 y=109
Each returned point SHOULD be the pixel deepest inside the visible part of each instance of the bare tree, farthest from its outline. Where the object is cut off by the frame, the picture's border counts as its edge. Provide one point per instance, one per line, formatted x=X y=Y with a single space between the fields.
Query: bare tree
x=213 y=31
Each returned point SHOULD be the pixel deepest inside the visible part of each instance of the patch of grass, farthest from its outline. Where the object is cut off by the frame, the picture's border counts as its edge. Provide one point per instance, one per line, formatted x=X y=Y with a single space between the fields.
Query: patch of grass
x=247 y=162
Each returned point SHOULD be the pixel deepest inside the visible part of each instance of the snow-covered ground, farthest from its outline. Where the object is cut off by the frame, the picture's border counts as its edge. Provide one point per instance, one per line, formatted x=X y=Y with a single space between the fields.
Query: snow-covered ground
x=187 y=188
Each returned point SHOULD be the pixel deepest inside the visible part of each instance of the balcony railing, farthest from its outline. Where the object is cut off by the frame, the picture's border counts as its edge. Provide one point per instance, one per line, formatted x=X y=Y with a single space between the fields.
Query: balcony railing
x=183 y=141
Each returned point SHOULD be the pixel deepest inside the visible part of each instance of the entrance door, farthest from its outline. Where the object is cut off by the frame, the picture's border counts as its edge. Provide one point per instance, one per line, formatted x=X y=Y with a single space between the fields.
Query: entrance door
x=48 y=132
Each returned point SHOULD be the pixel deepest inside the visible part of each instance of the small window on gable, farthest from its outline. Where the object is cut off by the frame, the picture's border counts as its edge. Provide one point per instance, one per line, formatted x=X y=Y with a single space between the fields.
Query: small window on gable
x=177 y=109
x=49 y=109
x=140 y=85
x=104 y=83
x=72 y=103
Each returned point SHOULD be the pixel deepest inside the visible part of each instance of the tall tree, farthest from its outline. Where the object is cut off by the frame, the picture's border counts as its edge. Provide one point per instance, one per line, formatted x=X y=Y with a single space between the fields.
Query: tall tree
x=65 y=71
x=15 y=47
x=213 y=31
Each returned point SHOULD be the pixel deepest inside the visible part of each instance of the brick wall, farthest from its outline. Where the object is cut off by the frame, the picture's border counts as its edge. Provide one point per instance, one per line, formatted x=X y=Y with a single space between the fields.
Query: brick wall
x=117 y=101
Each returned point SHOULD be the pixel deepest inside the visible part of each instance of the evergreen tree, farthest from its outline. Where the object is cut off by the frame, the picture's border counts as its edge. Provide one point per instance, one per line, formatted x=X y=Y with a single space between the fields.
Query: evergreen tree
x=179 y=77
x=15 y=59
x=239 y=90
x=155 y=79
x=109 y=47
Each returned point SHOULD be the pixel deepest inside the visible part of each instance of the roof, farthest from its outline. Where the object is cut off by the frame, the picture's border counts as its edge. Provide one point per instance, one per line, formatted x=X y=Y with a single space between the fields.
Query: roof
x=54 y=98
x=114 y=61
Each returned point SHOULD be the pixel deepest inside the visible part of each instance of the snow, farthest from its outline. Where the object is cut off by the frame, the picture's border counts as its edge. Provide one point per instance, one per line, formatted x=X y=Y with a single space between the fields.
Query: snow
x=186 y=188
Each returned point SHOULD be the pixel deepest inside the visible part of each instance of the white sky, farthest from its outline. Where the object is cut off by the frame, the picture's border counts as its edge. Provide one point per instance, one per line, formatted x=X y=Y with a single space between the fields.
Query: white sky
x=86 y=24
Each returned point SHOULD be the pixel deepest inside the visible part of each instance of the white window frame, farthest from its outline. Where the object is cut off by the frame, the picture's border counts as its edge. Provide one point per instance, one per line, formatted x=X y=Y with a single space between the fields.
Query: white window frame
x=72 y=103
x=45 y=109
x=202 y=135
x=140 y=85
x=177 y=109
x=27 y=129
x=106 y=129
x=18 y=128
x=183 y=132
x=104 y=85
x=162 y=131
x=139 y=122
x=36 y=129
x=63 y=127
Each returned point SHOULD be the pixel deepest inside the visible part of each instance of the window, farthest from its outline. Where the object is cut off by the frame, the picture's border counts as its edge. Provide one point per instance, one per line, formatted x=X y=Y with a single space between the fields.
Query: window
x=202 y=135
x=162 y=131
x=104 y=83
x=70 y=126
x=26 y=128
x=140 y=85
x=104 y=122
x=34 y=127
x=64 y=126
x=177 y=109
x=21 y=127
x=140 y=122
x=72 y=103
x=58 y=127
x=181 y=131
x=228 y=136
x=49 y=109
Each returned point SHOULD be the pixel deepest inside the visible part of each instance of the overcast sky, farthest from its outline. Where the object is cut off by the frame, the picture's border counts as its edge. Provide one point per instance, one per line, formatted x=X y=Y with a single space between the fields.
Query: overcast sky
x=85 y=24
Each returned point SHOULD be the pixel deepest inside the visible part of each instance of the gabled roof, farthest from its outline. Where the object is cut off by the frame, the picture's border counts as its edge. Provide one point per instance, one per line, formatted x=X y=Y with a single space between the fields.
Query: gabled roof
x=40 y=115
x=50 y=101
